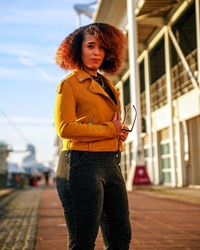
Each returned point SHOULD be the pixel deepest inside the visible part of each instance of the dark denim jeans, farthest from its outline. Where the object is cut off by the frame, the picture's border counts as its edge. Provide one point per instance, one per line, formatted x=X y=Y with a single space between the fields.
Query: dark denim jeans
x=95 y=194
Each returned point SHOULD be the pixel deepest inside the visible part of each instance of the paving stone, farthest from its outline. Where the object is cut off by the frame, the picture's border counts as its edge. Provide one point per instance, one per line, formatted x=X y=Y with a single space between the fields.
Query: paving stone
x=160 y=223
x=18 y=220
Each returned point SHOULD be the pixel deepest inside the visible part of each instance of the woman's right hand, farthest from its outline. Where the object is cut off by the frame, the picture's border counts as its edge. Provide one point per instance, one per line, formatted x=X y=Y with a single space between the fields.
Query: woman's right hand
x=117 y=123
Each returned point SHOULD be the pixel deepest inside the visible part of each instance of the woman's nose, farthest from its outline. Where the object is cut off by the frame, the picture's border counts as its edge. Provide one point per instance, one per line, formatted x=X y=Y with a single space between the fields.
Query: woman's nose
x=97 y=51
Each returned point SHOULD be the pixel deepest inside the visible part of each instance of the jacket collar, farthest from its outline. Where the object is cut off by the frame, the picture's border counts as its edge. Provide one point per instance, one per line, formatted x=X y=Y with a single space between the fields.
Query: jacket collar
x=81 y=76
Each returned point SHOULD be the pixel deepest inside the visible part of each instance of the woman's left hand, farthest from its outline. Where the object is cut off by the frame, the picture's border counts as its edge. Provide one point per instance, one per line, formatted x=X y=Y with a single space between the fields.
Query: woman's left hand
x=124 y=134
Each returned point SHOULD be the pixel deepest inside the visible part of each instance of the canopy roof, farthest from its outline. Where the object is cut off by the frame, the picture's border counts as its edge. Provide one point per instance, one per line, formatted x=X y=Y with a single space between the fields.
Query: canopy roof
x=150 y=16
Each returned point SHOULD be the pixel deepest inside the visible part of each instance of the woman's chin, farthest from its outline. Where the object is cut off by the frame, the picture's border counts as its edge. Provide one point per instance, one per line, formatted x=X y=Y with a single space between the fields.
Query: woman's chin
x=93 y=66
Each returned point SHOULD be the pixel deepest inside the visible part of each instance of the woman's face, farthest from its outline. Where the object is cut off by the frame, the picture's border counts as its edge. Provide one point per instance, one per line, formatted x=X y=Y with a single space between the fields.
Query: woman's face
x=92 y=53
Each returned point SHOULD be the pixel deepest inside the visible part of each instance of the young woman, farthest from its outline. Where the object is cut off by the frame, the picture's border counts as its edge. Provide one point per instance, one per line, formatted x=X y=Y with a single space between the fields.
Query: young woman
x=87 y=117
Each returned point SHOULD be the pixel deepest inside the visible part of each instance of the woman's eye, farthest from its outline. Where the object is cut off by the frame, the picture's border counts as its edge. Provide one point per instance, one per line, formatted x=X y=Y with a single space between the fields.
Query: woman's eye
x=90 y=46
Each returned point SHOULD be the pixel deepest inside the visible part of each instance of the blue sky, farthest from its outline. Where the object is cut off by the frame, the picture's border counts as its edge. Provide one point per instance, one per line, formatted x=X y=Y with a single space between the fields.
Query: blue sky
x=30 y=33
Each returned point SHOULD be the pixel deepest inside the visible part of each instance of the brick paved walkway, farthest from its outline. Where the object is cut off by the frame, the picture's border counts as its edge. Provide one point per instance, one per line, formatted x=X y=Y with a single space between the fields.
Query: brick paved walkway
x=157 y=223
x=51 y=228
x=161 y=224
x=18 y=219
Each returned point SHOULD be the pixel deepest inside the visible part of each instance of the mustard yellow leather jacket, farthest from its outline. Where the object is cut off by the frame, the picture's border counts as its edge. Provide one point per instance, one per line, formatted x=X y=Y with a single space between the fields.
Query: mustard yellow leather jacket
x=84 y=113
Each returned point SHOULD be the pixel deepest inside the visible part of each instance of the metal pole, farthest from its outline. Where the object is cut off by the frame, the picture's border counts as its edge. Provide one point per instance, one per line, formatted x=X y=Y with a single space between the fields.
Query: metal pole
x=134 y=87
x=197 y=5
x=148 y=108
x=169 y=98
x=179 y=158
x=78 y=20
x=156 y=155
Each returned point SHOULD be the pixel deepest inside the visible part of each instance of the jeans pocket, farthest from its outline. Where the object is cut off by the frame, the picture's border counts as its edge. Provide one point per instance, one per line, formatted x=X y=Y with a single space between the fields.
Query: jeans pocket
x=64 y=193
x=67 y=157
x=62 y=186
x=77 y=157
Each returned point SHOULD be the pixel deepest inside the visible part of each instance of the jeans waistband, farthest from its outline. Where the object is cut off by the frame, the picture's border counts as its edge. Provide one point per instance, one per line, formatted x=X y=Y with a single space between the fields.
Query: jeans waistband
x=97 y=154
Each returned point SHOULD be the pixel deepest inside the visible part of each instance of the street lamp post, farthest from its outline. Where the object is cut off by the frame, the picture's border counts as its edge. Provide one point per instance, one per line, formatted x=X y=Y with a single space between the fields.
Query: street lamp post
x=84 y=9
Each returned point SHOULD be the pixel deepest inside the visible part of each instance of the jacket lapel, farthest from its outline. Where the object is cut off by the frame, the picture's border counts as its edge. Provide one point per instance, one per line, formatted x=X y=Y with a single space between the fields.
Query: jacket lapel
x=115 y=92
x=96 y=89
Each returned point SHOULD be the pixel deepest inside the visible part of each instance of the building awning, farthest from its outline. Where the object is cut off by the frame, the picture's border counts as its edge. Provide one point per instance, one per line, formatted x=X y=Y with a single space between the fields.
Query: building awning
x=110 y=11
x=151 y=15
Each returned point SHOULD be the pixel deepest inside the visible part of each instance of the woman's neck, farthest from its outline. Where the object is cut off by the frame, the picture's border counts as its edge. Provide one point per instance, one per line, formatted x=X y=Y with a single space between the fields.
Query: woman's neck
x=89 y=71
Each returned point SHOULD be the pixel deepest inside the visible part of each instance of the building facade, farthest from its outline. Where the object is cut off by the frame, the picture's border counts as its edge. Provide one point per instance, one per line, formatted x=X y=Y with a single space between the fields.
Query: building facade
x=4 y=151
x=163 y=84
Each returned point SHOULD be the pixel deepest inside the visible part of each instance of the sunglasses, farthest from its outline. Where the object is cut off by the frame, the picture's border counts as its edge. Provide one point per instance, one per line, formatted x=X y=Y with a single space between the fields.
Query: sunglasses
x=132 y=126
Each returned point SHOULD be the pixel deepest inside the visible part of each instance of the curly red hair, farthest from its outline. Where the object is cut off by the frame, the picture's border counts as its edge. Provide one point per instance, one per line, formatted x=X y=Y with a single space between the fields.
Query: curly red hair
x=68 y=55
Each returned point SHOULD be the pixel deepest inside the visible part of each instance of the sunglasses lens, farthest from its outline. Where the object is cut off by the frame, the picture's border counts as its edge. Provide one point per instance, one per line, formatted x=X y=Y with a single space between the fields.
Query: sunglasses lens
x=130 y=130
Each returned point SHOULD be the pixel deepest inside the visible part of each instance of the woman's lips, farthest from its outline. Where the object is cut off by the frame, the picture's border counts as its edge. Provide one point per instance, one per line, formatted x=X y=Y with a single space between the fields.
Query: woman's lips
x=96 y=60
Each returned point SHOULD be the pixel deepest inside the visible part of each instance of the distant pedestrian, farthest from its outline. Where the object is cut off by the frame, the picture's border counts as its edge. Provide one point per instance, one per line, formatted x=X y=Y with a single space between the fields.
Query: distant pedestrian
x=87 y=117
x=46 y=176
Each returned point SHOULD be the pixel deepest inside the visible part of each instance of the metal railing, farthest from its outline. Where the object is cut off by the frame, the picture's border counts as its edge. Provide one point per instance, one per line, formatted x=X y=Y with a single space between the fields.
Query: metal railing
x=143 y=103
x=158 y=92
x=181 y=82
x=128 y=114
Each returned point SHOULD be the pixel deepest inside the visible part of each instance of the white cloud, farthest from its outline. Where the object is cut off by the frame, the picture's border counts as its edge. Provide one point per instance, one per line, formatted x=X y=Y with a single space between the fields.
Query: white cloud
x=26 y=61
x=37 y=17
x=12 y=73
x=28 y=121
x=45 y=75
x=29 y=52
x=36 y=73
x=33 y=58
x=30 y=63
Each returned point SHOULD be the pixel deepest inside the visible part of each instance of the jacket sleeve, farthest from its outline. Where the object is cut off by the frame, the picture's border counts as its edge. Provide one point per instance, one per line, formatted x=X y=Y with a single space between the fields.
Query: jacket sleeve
x=68 y=126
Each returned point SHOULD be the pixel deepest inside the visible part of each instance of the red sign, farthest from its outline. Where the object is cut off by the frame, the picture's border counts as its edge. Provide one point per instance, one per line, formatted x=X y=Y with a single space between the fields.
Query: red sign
x=141 y=177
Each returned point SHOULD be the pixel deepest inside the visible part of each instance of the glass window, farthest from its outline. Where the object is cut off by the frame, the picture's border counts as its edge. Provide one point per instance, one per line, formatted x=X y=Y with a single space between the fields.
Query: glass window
x=165 y=149
x=185 y=32
x=165 y=163
x=167 y=177
x=157 y=61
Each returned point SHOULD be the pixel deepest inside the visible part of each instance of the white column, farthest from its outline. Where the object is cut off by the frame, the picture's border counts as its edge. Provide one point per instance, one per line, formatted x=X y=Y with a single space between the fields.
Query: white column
x=156 y=156
x=134 y=88
x=178 y=154
x=148 y=108
x=123 y=163
x=169 y=98
x=197 y=3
